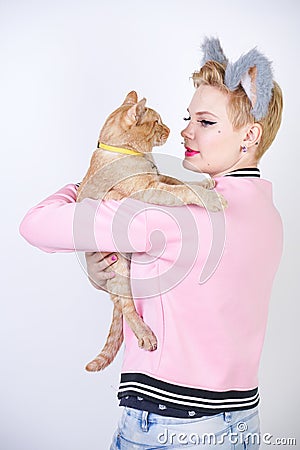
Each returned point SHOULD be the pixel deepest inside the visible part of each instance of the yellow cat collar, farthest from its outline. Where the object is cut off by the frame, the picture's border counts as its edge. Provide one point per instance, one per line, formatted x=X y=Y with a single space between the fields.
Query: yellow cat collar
x=125 y=151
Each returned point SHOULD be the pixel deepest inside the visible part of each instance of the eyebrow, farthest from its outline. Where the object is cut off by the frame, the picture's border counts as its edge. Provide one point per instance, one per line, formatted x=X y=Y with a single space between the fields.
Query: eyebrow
x=201 y=113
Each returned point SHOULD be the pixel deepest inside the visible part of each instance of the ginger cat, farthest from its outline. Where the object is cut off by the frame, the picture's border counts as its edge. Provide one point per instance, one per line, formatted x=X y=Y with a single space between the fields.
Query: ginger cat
x=115 y=175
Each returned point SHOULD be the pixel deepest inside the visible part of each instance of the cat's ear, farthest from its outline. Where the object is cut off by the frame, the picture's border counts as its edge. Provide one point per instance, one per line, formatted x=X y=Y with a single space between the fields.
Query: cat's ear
x=131 y=98
x=140 y=110
x=136 y=112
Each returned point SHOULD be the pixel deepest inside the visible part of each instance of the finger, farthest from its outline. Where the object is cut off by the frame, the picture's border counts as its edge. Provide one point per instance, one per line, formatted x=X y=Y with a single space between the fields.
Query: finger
x=106 y=262
x=111 y=258
x=95 y=256
x=100 y=256
x=89 y=254
x=109 y=275
x=101 y=278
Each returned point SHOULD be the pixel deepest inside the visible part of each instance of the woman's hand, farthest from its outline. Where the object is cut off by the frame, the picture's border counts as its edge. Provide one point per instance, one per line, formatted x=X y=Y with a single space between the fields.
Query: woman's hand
x=97 y=262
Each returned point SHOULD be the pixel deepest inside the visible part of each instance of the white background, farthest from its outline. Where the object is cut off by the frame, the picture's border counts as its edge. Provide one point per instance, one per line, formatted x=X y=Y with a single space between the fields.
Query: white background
x=64 y=66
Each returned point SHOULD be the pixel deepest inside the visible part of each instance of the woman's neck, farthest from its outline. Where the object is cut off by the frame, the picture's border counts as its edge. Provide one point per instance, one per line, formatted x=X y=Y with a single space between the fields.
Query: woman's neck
x=246 y=163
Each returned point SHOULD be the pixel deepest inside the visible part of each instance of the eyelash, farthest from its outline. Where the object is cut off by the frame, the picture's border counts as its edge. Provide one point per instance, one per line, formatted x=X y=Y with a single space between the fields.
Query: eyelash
x=204 y=123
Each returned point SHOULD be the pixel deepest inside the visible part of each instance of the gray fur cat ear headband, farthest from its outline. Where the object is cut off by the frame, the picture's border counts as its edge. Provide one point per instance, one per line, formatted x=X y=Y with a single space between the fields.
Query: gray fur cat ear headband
x=252 y=70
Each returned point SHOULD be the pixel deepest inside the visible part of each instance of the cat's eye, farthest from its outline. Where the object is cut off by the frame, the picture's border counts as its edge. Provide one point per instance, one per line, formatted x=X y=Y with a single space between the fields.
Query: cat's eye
x=187 y=118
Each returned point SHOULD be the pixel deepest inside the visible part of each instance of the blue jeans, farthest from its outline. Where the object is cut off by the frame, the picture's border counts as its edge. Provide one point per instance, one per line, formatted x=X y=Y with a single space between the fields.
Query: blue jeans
x=140 y=430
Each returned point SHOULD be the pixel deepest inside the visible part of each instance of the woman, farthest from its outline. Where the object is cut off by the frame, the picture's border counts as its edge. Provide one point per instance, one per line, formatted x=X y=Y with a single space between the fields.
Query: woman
x=200 y=387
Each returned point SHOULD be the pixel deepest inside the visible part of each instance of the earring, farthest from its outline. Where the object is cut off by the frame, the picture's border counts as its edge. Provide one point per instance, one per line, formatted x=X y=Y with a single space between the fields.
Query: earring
x=244 y=148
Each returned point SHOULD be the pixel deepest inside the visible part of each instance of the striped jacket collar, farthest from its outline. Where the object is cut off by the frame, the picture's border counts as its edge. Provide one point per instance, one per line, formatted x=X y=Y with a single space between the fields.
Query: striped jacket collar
x=250 y=172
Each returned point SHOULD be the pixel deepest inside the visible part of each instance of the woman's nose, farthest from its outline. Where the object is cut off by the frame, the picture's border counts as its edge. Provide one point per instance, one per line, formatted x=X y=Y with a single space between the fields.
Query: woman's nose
x=188 y=132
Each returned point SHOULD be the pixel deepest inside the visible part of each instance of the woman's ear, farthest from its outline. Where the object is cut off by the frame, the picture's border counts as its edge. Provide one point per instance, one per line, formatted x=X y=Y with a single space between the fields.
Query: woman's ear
x=253 y=135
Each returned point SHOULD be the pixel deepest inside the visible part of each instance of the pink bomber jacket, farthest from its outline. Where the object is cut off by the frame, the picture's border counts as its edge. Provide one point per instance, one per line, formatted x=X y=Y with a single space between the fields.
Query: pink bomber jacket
x=202 y=281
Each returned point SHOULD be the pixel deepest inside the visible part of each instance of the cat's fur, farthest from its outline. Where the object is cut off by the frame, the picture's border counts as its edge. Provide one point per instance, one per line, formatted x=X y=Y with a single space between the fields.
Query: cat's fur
x=116 y=176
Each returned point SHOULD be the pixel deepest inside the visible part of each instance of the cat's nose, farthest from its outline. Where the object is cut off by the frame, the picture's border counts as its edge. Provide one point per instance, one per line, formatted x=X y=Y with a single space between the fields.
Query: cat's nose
x=166 y=131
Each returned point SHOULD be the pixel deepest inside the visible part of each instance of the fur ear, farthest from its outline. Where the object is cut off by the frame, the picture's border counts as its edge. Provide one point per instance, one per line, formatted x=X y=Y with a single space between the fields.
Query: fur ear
x=131 y=98
x=136 y=112
x=253 y=71
x=212 y=51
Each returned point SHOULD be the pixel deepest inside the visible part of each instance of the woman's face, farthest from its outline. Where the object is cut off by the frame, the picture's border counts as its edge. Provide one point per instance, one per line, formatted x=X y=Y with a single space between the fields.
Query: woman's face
x=211 y=144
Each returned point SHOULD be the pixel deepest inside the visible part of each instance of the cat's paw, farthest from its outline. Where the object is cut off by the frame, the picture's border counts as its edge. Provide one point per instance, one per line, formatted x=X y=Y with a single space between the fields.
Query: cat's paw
x=208 y=183
x=209 y=198
x=216 y=202
x=148 y=342
x=99 y=363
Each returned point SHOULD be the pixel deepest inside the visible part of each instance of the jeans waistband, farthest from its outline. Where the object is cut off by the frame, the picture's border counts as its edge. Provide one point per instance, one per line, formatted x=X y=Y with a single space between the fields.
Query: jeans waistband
x=229 y=417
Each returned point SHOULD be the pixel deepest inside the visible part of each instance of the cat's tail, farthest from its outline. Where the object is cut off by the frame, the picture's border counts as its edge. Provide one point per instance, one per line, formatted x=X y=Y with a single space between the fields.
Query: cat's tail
x=112 y=345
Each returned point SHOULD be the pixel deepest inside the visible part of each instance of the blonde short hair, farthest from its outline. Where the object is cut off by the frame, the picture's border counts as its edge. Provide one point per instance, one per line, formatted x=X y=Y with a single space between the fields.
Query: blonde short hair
x=213 y=73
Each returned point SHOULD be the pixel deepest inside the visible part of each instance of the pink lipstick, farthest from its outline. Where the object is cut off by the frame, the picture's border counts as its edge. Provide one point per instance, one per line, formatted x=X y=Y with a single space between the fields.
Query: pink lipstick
x=189 y=152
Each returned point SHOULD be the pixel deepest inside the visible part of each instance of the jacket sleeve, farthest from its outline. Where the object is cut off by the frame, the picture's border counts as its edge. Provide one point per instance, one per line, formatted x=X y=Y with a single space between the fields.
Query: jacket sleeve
x=59 y=224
